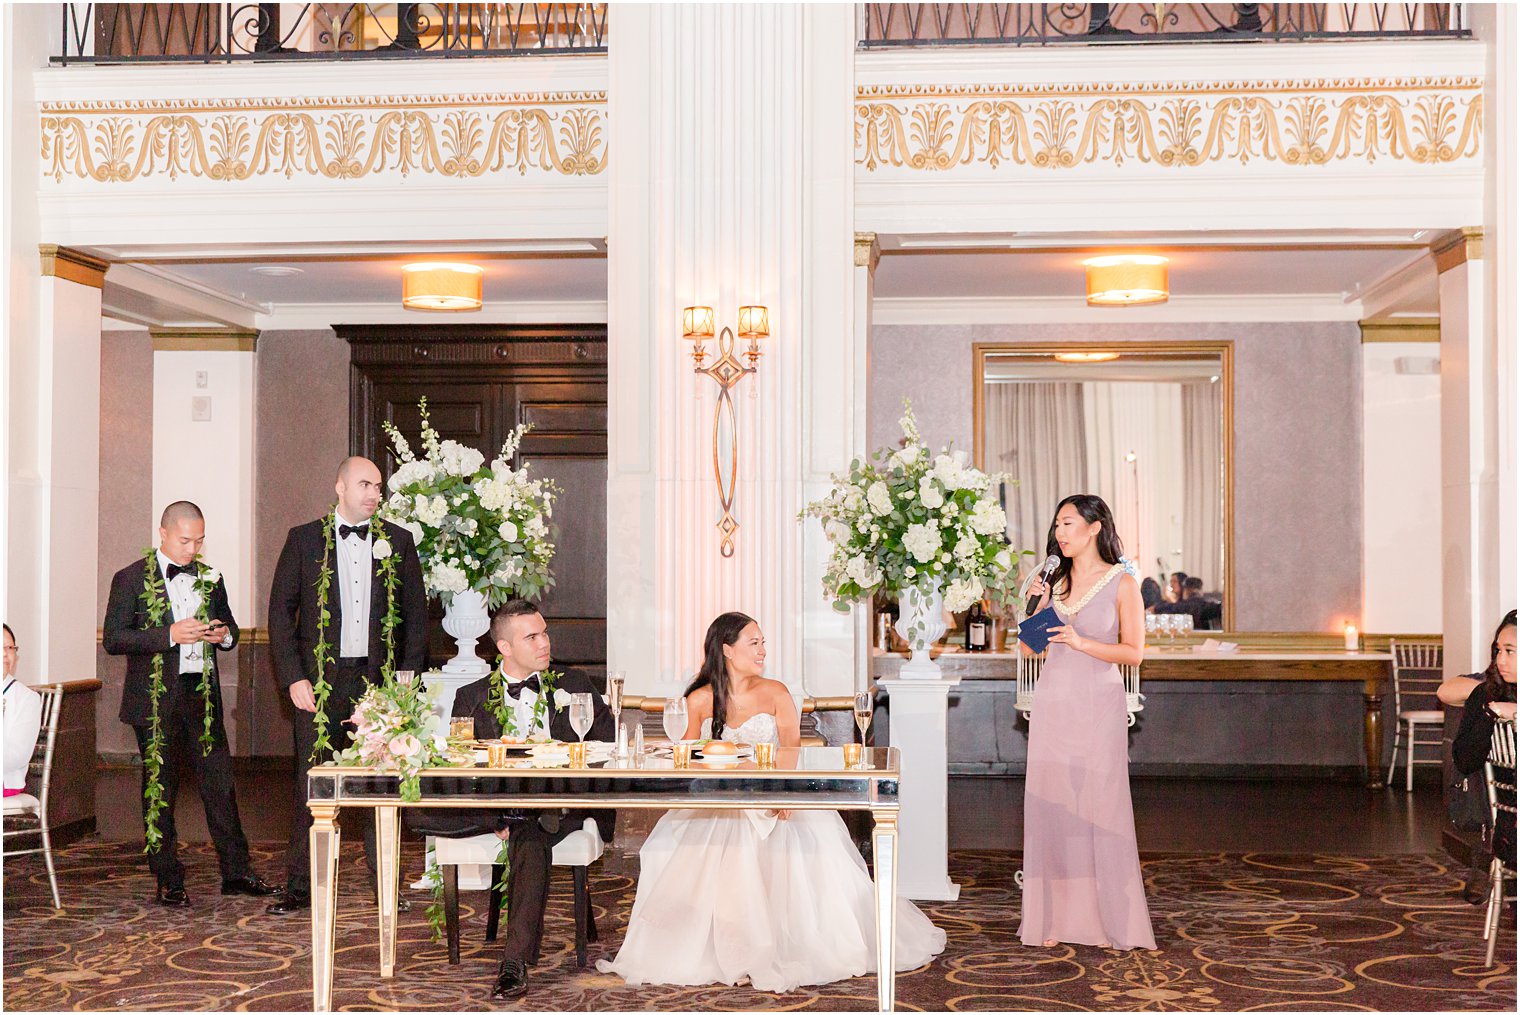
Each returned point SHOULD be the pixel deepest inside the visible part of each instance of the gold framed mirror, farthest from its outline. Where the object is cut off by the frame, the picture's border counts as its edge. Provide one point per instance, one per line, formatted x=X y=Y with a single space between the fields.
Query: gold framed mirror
x=1147 y=426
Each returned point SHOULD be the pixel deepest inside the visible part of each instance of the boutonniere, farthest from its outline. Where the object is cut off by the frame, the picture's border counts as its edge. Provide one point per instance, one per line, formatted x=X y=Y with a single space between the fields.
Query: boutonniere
x=562 y=700
x=380 y=549
x=211 y=575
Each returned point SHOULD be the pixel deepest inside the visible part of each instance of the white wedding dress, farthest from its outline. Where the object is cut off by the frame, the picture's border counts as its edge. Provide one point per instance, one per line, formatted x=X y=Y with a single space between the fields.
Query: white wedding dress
x=725 y=895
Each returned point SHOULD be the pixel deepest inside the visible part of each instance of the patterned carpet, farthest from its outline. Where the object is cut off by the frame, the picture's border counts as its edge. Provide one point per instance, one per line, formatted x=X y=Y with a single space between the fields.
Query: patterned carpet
x=1236 y=932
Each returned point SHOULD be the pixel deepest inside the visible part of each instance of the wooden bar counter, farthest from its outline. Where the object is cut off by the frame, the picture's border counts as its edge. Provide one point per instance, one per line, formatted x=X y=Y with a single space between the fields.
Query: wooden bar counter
x=1279 y=687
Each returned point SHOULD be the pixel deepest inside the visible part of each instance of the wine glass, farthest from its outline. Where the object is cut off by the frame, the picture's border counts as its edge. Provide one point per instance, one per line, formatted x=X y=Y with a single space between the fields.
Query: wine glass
x=580 y=714
x=615 y=703
x=864 y=701
x=675 y=719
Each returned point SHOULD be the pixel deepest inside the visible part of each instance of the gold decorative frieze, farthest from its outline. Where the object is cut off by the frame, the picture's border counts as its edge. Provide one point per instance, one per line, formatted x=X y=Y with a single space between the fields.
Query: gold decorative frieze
x=1301 y=123
x=468 y=136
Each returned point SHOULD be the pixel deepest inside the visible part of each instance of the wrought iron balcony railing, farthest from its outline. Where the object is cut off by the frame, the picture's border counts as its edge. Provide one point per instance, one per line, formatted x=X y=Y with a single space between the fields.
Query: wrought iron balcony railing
x=220 y=33
x=894 y=25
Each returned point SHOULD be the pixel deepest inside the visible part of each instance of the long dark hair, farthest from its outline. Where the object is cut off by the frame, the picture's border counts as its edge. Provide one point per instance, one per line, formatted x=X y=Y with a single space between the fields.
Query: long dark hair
x=1496 y=688
x=714 y=672
x=1092 y=509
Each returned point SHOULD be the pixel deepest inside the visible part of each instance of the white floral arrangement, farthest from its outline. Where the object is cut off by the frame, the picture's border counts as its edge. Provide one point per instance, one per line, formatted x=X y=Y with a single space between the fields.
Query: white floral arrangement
x=906 y=518
x=397 y=729
x=477 y=527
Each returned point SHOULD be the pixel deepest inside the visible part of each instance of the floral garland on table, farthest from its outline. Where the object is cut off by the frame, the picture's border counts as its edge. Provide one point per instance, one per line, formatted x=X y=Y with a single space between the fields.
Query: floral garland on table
x=479 y=527
x=506 y=715
x=155 y=600
x=905 y=517
x=380 y=550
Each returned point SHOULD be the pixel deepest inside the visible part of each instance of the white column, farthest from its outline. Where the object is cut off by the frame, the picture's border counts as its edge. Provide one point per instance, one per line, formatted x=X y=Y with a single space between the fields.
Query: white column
x=733 y=185
x=1470 y=537
x=54 y=478
x=919 y=724
x=203 y=446
x=867 y=257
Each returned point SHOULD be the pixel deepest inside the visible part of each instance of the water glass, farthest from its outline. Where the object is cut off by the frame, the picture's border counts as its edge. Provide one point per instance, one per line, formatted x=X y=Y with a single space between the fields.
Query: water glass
x=675 y=719
x=581 y=714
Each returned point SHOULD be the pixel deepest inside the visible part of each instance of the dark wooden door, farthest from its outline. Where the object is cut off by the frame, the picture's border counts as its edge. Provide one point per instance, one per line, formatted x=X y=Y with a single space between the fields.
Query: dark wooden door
x=480 y=383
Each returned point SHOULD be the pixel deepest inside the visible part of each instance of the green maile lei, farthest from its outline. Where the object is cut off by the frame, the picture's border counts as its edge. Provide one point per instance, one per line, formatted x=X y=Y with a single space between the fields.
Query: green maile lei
x=323 y=652
x=506 y=715
x=155 y=602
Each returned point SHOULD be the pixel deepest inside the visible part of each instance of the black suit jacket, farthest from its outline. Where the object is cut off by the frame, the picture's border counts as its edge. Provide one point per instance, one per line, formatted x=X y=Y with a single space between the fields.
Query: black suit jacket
x=293 y=609
x=470 y=700
x=127 y=633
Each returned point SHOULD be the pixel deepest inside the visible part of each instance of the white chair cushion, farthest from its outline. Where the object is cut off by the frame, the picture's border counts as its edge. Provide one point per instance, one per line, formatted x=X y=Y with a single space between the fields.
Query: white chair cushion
x=1422 y=717
x=21 y=803
x=578 y=849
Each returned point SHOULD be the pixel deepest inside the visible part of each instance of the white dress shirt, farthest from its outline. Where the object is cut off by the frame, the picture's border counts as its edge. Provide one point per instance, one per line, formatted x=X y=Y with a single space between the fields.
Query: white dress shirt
x=23 y=721
x=526 y=700
x=355 y=562
x=184 y=601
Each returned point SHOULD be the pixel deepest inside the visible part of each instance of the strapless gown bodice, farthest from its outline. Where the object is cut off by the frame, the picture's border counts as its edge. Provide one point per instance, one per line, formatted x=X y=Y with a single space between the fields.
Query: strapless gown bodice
x=757 y=729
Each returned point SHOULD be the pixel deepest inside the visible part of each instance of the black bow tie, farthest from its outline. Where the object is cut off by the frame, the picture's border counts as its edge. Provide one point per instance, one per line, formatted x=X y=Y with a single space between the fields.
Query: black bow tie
x=531 y=684
x=175 y=570
x=362 y=531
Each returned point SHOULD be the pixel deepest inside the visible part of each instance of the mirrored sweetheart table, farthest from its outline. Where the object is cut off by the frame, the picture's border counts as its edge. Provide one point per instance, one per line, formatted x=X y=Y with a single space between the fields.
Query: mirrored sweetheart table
x=804 y=778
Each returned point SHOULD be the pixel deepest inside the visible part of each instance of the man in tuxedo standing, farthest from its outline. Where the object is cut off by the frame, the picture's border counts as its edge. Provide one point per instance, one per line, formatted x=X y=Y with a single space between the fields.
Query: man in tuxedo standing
x=356 y=602
x=181 y=710
x=522 y=637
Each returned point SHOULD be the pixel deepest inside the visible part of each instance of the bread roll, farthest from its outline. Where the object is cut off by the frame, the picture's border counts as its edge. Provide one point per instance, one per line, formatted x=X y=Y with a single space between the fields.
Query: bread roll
x=720 y=747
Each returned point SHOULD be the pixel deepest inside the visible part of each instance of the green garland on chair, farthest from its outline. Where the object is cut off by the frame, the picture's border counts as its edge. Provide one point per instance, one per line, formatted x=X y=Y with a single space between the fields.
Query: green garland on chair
x=385 y=558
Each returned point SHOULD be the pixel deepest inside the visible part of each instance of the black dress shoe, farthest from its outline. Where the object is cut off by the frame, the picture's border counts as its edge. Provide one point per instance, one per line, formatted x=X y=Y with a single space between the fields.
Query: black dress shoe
x=290 y=902
x=250 y=884
x=173 y=896
x=512 y=980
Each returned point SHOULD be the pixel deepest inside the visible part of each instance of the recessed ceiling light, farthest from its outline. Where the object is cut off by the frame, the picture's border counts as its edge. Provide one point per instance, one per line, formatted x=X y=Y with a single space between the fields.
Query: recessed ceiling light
x=276 y=270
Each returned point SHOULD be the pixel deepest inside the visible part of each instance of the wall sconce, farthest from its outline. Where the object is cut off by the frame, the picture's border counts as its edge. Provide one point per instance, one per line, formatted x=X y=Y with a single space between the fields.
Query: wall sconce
x=697 y=327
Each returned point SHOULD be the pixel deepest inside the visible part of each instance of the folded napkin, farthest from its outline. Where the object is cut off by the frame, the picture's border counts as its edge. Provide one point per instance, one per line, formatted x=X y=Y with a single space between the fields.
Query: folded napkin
x=1213 y=646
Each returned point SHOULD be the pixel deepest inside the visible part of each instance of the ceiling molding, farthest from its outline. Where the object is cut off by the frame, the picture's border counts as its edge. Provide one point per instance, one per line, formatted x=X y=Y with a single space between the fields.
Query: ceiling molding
x=1074 y=310
x=316 y=316
x=1413 y=283
x=154 y=296
x=295 y=253
x=1160 y=242
x=1457 y=247
x=72 y=265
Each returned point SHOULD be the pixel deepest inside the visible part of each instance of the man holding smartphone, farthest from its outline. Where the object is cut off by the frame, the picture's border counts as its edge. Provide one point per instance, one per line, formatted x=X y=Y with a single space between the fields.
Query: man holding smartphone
x=182 y=642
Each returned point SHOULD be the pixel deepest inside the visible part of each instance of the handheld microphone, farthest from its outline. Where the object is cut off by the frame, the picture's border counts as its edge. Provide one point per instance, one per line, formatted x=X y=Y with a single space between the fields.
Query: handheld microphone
x=1051 y=563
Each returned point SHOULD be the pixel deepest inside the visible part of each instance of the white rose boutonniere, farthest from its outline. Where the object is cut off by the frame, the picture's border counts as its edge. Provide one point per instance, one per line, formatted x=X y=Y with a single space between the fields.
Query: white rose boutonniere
x=380 y=549
x=211 y=575
x=562 y=699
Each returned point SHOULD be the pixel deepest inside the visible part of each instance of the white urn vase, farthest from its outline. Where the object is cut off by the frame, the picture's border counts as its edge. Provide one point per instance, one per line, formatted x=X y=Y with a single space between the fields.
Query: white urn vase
x=921 y=622
x=465 y=618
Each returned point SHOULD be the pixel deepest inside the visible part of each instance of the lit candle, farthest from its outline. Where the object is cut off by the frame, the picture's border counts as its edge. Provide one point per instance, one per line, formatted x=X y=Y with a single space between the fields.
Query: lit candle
x=1351 y=638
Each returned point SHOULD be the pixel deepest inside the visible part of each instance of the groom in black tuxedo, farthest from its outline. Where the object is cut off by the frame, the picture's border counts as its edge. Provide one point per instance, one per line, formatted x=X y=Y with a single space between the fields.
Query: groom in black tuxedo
x=356 y=601
x=182 y=640
x=522 y=637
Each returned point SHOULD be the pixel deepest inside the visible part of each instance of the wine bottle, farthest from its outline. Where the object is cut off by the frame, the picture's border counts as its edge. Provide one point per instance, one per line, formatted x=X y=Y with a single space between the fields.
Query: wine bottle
x=976 y=628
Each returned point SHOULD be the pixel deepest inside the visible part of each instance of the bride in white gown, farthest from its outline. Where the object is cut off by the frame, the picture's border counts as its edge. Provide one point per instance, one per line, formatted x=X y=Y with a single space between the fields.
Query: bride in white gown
x=779 y=899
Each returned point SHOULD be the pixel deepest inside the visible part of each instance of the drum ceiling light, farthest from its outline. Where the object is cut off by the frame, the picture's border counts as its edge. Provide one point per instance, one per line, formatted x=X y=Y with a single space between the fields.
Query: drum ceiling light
x=1086 y=357
x=1126 y=280
x=440 y=285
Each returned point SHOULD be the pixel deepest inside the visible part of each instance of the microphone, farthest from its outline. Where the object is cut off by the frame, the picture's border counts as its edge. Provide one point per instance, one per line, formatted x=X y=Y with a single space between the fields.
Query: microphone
x=1051 y=563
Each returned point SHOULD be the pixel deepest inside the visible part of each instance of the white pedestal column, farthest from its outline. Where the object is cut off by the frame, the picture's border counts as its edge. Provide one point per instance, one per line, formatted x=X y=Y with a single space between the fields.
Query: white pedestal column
x=54 y=468
x=1470 y=459
x=919 y=710
x=733 y=185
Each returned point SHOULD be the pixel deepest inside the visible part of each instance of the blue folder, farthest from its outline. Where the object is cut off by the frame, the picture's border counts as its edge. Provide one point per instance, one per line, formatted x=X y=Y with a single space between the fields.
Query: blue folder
x=1035 y=631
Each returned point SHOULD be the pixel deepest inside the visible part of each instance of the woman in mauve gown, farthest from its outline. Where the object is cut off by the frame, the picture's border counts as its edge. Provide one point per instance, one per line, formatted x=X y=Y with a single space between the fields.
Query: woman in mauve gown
x=1082 y=882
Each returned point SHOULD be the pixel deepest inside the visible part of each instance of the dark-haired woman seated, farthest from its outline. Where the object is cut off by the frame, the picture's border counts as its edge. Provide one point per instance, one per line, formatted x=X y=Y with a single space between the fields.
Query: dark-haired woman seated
x=778 y=899
x=1493 y=693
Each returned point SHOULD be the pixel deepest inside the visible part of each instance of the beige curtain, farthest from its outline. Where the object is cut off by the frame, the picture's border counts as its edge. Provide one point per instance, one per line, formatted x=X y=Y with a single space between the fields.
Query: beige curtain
x=1035 y=432
x=1145 y=494
x=1203 y=471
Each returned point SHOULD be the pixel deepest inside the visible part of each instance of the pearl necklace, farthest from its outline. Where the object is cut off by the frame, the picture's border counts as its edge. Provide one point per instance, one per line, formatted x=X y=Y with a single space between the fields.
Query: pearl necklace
x=1072 y=611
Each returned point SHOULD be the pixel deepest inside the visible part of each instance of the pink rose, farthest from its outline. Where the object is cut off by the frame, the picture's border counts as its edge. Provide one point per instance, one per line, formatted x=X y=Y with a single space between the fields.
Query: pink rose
x=405 y=745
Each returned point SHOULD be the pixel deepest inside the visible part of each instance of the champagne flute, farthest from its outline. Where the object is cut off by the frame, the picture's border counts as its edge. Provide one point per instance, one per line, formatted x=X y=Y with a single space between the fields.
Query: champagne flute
x=675 y=719
x=615 y=703
x=864 y=701
x=580 y=714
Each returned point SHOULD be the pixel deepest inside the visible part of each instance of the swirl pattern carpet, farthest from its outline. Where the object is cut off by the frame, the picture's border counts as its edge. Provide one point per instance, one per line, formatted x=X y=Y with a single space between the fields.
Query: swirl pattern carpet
x=1250 y=932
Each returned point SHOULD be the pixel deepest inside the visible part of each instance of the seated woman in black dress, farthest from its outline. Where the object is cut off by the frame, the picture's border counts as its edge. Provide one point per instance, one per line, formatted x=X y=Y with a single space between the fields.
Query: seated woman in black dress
x=1496 y=694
